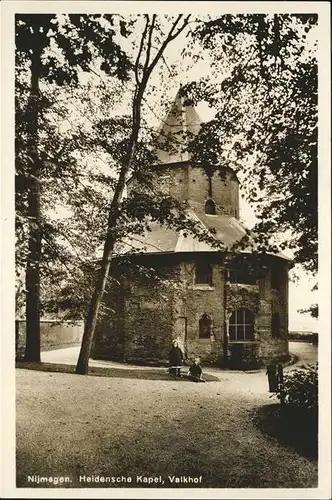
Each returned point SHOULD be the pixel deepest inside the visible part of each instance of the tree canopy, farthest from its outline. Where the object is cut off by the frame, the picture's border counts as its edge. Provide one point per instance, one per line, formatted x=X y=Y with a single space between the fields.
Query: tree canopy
x=49 y=50
x=265 y=126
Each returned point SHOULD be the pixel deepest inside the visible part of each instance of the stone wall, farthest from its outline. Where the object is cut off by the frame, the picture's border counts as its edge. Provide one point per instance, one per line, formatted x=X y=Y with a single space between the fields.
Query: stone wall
x=202 y=299
x=108 y=340
x=148 y=321
x=147 y=315
x=140 y=326
x=53 y=334
x=225 y=191
x=274 y=301
x=169 y=179
x=190 y=183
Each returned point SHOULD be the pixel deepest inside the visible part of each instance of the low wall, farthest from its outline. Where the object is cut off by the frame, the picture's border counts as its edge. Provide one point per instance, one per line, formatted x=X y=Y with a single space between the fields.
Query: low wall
x=311 y=337
x=53 y=334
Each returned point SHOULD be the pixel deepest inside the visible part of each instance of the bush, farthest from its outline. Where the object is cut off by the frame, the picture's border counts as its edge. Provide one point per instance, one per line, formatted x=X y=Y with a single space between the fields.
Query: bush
x=300 y=388
x=244 y=356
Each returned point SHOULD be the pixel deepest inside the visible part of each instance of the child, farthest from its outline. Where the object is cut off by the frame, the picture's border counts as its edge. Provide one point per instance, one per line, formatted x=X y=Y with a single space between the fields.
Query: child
x=175 y=357
x=195 y=371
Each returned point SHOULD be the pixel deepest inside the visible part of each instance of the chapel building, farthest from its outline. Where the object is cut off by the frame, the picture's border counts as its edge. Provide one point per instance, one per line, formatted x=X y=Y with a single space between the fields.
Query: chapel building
x=229 y=311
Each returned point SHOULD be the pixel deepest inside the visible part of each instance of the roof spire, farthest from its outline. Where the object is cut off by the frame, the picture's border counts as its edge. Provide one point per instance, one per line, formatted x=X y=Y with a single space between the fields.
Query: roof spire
x=179 y=126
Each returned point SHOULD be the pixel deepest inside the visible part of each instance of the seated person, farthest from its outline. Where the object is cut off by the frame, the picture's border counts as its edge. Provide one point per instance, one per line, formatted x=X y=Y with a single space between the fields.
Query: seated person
x=195 y=371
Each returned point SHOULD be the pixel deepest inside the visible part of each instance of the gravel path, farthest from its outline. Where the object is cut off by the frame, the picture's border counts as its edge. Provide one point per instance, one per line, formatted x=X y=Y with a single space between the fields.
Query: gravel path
x=127 y=426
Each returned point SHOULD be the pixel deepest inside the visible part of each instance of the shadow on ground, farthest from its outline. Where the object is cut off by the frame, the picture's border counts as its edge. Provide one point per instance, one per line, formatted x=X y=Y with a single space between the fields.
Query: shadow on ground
x=292 y=426
x=136 y=373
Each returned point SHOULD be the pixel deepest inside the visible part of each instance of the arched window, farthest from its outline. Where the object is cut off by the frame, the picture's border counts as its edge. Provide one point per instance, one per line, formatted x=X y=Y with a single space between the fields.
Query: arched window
x=241 y=325
x=205 y=326
x=210 y=207
x=275 y=325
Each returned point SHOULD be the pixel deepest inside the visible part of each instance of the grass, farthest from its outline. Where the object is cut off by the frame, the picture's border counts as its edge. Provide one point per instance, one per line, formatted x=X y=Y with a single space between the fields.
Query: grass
x=133 y=422
x=150 y=374
x=292 y=426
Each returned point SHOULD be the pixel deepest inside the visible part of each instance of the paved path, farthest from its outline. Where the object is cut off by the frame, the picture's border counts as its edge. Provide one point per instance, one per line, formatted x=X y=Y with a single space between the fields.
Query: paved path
x=306 y=353
x=253 y=383
x=69 y=356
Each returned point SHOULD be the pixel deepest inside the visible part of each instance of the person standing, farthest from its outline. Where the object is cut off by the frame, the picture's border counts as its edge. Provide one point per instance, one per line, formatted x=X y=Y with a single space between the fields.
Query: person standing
x=175 y=358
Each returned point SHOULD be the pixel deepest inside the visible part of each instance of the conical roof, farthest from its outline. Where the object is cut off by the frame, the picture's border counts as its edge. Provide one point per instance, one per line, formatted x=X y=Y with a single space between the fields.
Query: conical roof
x=180 y=125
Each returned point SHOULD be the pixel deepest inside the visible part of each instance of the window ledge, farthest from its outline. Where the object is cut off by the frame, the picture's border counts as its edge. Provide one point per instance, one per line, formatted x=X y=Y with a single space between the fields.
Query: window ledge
x=243 y=341
x=244 y=285
x=201 y=287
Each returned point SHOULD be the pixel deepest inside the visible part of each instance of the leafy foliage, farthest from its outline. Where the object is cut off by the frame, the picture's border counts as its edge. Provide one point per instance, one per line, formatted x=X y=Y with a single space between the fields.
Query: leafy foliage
x=52 y=51
x=265 y=127
x=312 y=310
x=67 y=43
x=303 y=336
x=300 y=388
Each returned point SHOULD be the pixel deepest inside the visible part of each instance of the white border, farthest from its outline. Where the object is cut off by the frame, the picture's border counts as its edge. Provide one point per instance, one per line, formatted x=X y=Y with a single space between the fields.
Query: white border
x=8 y=9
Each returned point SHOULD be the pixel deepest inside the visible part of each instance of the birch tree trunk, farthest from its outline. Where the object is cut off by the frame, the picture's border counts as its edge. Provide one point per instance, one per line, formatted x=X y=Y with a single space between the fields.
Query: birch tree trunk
x=142 y=75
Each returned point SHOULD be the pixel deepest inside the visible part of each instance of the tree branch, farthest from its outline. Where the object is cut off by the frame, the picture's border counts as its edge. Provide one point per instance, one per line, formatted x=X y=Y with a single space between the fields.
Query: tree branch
x=140 y=51
x=149 y=45
x=171 y=36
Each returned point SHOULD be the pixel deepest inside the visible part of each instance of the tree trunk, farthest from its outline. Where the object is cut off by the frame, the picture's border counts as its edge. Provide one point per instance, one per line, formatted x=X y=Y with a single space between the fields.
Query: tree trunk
x=82 y=366
x=32 y=277
x=32 y=348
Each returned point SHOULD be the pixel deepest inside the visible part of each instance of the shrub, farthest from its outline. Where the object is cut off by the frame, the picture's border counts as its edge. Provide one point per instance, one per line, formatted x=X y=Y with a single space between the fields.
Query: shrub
x=244 y=356
x=300 y=388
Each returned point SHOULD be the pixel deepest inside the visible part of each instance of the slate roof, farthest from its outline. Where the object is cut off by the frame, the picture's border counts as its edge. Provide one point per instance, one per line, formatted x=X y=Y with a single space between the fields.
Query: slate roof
x=179 y=126
x=164 y=240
